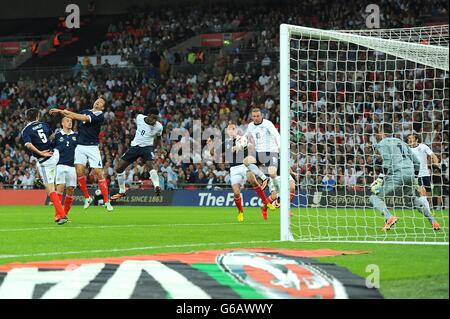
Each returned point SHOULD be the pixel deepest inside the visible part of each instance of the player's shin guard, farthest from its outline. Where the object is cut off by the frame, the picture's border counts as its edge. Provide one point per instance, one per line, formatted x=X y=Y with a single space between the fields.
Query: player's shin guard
x=59 y=211
x=104 y=189
x=60 y=196
x=238 y=202
x=67 y=203
x=83 y=186
x=380 y=205
x=259 y=191
x=121 y=182
x=154 y=177
x=424 y=207
x=255 y=170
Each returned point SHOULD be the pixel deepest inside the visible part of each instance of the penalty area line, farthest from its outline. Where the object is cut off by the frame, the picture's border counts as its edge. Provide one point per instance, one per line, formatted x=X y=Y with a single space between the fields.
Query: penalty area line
x=125 y=226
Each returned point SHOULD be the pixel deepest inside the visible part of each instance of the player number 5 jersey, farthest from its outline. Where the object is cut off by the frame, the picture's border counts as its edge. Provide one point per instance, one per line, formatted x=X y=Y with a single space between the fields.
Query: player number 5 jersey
x=38 y=134
x=145 y=134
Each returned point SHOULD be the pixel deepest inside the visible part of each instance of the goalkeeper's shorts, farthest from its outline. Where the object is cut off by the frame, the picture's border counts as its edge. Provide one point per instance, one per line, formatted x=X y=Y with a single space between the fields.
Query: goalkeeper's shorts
x=399 y=184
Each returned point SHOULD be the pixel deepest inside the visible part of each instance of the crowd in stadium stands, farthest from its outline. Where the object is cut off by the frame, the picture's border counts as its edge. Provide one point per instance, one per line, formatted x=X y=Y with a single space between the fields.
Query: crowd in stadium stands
x=345 y=127
x=145 y=35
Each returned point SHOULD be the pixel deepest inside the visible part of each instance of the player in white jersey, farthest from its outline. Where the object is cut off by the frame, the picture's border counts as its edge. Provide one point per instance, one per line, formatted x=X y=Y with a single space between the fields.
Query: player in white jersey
x=148 y=135
x=422 y=152
x=266 y=139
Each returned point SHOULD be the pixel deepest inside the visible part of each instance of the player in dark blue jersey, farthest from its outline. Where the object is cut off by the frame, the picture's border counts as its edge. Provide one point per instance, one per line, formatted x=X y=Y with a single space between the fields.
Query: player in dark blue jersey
x=239 y=173
x=36 y=138
x=66 y=176
x=87 y=150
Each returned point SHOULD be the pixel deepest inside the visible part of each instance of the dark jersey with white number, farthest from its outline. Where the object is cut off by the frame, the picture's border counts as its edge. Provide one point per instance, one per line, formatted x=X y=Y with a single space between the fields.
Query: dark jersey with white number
x=232 y=158
x=66 y=143
x=38 y=134
x=88 y=131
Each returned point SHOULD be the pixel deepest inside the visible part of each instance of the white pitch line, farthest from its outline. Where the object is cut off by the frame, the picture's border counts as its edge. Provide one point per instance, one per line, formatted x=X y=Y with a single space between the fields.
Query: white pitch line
x=137 y=248
x=200 y=244
x=125 y=226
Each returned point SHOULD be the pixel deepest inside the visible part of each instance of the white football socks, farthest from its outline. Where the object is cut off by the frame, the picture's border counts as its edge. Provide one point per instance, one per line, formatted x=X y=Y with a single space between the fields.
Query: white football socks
x=121 y=182
x=154 y=177
x=255 y=170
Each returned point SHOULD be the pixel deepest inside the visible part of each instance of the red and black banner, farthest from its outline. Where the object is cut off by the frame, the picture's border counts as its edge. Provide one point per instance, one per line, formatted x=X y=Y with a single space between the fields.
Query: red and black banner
x=225 y=274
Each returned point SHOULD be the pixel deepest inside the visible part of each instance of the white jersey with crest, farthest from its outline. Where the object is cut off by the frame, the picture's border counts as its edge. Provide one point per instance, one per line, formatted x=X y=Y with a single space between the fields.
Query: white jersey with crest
x=145 y=134
x=265 y=135
x=422 y=151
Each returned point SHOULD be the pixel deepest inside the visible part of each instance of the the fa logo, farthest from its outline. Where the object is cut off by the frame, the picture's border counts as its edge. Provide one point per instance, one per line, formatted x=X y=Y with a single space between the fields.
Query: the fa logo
x=73 y=19
x=373 y=19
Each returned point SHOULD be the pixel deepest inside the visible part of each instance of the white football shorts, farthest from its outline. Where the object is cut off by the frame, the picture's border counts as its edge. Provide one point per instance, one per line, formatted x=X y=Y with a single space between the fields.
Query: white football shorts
x=88 y=153
x=66 y=175
x=238 y=174
x=47 y=168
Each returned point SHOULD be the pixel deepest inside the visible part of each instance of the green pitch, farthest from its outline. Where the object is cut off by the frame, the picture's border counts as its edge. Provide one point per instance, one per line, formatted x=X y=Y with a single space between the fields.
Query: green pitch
x=28 y=234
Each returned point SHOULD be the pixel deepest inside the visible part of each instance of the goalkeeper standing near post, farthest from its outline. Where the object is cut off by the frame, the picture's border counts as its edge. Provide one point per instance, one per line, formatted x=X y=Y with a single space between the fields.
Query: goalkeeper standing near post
x=399 y=170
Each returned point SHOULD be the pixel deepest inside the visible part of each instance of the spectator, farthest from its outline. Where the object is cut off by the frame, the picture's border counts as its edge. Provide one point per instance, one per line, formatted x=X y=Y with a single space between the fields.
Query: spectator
x=266 y=61
x=328 y=182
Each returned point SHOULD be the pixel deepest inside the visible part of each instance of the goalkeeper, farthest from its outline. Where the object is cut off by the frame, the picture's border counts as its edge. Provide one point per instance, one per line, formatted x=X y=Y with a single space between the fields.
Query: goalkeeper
x=399 y=170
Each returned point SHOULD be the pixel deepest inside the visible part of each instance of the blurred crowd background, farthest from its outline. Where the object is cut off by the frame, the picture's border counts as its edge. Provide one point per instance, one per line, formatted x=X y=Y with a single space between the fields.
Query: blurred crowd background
x=333 y=133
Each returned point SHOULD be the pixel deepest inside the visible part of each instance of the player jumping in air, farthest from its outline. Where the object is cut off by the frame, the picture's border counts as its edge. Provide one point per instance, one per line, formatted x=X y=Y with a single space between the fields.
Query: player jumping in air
x=422 y=151
x=267 y=146
x=87 y=150
x=239 y=173
x=147 y=137
x=66 y=176
x=399 y=169
x=36 y=138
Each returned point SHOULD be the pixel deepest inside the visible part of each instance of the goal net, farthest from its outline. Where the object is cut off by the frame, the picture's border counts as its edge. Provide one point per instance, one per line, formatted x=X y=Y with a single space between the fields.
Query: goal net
x=337 y=88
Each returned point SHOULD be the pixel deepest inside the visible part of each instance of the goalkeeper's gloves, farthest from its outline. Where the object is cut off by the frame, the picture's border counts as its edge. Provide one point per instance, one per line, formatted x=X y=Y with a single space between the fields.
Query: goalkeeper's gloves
x=375 y=187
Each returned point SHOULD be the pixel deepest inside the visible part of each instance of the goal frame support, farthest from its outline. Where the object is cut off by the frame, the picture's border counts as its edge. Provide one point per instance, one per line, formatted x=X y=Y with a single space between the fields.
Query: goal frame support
x=285 y=122
x=286 y=30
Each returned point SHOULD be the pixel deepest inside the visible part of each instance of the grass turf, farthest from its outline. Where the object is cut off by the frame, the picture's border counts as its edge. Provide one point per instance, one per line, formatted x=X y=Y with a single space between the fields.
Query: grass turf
x=28 y=234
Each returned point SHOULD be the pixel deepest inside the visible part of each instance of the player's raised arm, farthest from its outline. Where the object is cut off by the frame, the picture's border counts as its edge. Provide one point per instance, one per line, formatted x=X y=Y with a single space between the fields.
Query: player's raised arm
x=72 y=115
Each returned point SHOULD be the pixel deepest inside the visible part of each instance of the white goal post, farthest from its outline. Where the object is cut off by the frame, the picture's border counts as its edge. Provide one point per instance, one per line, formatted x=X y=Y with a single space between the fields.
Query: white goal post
x=336 y=88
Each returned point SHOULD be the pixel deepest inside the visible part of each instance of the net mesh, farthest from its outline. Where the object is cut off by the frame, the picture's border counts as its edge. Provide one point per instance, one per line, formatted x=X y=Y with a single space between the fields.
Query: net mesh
x=343 y=86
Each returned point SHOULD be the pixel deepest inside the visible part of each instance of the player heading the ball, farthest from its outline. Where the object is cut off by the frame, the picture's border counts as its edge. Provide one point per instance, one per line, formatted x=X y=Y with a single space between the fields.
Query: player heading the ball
x=147 y=137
